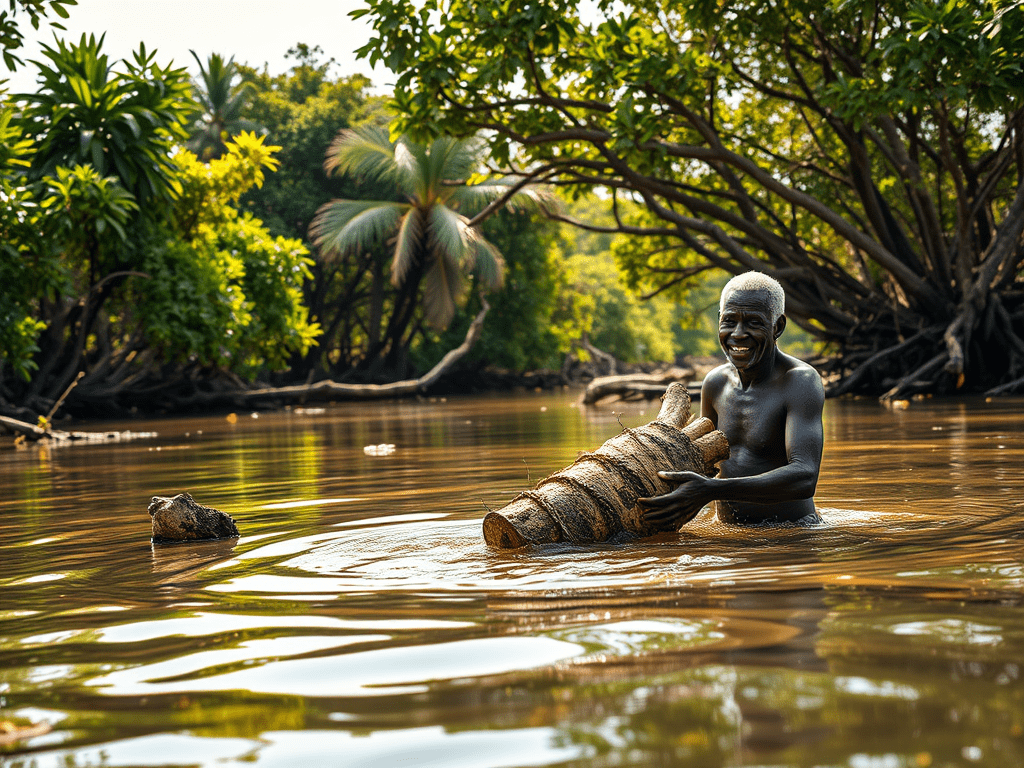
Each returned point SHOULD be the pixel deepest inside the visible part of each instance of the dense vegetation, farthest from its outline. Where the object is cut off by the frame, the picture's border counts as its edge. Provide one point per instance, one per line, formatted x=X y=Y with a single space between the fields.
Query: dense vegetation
x=127 y=266
x=868 y=154
x=157 y=249
x=168 y=242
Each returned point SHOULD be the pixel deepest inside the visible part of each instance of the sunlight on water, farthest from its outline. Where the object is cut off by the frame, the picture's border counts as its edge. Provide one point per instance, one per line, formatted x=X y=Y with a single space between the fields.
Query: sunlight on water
x=360 y=619
x=431 y=747
x=386 y=671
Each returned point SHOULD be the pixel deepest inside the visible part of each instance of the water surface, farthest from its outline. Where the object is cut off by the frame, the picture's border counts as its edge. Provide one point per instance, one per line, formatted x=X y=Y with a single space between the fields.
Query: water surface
x=360 y=620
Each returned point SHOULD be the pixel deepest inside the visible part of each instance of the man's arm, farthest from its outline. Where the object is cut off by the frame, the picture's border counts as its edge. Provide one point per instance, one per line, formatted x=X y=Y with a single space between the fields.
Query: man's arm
x=796 y=480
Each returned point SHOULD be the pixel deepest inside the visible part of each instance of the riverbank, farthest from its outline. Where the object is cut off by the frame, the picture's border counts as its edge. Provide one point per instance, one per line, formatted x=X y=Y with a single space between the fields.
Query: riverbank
x=218 y=393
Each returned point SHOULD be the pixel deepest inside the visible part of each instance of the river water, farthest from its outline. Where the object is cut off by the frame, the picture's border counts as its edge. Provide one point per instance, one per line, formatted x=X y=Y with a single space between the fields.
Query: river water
x=361 y=621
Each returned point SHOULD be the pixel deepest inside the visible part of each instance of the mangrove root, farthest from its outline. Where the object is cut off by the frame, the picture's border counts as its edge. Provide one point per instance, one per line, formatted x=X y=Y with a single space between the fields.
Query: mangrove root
x=594 y=498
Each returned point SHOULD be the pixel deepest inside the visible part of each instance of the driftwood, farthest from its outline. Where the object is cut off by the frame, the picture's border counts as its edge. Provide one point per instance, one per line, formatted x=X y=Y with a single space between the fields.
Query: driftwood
x=649 y=385
x=326 y=390
x=594 y=499
x=36 y=432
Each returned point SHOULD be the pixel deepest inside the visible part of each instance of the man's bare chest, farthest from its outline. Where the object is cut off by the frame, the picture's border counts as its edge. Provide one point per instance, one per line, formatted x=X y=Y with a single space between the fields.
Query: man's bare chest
x=754 y=421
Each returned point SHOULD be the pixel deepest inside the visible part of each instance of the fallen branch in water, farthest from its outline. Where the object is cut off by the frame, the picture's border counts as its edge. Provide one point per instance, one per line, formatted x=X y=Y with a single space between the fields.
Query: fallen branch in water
x=35 y=432
x=32 y=431
x=238 y=395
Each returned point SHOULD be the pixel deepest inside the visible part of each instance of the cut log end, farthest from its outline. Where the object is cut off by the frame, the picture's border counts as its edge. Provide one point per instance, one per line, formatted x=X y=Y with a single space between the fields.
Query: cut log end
x=521 y=523
x=500 y=533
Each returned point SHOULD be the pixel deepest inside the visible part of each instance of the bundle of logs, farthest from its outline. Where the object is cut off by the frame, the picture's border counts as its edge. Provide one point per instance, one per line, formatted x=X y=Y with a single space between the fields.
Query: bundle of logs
x=595 y=498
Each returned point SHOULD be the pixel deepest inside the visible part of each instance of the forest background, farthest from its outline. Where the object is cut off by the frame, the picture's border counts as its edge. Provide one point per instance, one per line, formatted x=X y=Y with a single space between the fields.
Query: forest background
x=171 y=258
x=157 y=248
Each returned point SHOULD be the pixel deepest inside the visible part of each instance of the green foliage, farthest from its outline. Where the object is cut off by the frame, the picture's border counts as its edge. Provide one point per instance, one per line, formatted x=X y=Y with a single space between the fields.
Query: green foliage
x=434 y=242
x=122 y=123
x=230 y=299
x=215 y=188
x=563 y=285
x=93 y=208
x=302 y=111
x=19 y=329
x=866 y=153
x=222 y=102
x=12 y=38
x=521 y=332
x=596 y=302
x=27 y=267
x=222 y=290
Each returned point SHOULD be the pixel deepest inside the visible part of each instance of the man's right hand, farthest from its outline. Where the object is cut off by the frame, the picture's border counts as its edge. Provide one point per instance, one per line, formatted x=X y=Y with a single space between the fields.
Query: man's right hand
x=674 y=509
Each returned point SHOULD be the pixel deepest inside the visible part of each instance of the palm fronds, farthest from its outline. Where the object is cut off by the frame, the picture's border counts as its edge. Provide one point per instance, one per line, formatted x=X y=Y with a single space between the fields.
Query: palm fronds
x=349 y=225
x=434 y=242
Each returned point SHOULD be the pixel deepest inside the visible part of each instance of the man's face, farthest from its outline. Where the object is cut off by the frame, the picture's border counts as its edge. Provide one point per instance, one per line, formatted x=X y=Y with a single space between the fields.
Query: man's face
x=745 y=328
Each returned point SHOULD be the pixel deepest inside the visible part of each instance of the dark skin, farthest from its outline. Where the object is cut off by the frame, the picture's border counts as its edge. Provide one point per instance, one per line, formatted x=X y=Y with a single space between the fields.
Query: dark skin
x=769 y=406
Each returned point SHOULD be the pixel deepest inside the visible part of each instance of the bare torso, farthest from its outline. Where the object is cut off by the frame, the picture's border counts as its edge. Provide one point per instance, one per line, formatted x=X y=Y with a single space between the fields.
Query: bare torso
x=769 y=406
x=755 y=419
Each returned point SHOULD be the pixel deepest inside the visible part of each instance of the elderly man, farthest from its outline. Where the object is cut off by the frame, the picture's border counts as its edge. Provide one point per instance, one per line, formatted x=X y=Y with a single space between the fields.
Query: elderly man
x=769 y=405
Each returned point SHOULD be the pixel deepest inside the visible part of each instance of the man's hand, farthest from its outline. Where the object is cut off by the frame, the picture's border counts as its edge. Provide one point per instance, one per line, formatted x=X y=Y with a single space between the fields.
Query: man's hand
x=678 y=507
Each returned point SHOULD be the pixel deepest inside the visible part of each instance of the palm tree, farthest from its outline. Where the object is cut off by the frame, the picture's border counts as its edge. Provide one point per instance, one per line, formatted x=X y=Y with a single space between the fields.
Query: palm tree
x=434 y=242
x=221 y=101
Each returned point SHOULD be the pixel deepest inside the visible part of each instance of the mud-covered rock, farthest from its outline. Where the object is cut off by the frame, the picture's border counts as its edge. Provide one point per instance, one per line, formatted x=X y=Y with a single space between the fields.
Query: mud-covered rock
x=182 y=518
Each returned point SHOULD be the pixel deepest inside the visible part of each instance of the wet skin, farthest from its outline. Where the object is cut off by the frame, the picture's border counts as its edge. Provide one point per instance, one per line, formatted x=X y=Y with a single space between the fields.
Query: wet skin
x=769 y=406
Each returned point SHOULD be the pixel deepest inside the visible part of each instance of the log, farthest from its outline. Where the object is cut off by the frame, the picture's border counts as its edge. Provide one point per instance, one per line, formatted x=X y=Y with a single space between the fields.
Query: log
x=646 y=383
x=594 y=498
x=328 y=390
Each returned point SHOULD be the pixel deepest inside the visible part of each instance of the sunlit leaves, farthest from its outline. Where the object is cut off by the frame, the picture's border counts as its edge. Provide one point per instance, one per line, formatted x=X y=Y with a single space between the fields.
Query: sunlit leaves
x=96 y=210
x=212 y=189
x=122 y=123
x=222 y=290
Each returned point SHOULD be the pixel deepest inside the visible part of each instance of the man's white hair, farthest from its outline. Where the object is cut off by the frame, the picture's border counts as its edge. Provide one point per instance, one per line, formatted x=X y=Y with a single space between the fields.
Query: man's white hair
x=757 y=281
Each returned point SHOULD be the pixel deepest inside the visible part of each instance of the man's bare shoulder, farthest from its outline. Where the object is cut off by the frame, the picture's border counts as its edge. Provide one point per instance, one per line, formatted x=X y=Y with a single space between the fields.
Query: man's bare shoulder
x=802 y=380
x=717 y=379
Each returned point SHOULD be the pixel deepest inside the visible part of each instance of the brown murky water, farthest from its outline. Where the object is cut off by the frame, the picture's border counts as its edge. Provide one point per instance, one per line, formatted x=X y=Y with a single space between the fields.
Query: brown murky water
x=360 y=620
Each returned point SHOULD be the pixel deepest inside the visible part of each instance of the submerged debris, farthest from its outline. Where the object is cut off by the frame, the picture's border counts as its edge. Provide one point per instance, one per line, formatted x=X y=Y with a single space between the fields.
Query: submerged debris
x=182 y=518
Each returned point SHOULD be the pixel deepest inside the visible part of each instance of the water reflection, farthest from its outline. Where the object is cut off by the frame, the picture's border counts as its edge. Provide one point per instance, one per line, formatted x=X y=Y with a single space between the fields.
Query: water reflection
x=361 y=620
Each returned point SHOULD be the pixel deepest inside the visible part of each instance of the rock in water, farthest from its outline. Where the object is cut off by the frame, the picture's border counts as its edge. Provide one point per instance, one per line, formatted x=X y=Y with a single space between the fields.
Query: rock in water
x=594 y=498
x=181 y=518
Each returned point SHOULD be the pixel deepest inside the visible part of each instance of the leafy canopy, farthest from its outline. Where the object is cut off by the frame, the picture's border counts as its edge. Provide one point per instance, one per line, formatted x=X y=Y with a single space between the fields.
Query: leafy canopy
x=866 y=153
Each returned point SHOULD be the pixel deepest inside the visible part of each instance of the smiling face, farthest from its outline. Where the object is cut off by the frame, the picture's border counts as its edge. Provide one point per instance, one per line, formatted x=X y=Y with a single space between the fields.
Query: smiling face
x=746 y=330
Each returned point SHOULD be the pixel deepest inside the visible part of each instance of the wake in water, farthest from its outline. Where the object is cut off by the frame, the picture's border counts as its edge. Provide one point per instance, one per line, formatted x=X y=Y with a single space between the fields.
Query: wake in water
x=427 y=552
